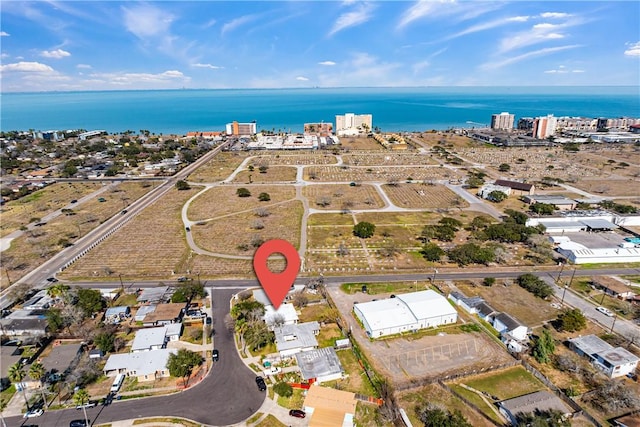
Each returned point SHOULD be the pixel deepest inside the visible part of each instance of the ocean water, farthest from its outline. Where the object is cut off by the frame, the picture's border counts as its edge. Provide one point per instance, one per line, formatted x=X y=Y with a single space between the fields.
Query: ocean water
x=393 y=109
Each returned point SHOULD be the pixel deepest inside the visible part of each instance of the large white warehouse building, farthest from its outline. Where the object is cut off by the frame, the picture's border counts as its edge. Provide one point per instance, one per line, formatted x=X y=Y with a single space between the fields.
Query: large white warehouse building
x=404 y=313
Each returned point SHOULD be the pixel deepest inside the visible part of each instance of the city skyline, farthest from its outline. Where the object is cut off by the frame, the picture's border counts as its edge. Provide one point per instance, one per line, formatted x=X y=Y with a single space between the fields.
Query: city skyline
x=52 y=45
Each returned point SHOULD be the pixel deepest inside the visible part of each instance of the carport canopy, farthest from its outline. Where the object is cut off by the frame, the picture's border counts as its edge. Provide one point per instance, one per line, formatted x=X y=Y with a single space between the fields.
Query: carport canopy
x=598 y=224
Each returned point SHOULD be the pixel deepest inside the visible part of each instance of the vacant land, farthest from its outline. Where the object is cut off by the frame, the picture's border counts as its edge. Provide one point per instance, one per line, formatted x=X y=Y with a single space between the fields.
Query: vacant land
x=343 y=196
x=445 y=139
x=241 y=233
x=18 y=213
x=360 y=143
x=424 y=196
x=149 y=246
x=220 y=167
x=208 y=204
x=273 y=174
x=41 y=243
x=438 y=395
x=610 y=187
x=514 y=300
x=329 y=219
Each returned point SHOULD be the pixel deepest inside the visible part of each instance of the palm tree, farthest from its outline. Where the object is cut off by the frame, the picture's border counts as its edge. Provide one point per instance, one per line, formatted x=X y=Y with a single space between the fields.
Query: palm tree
x=59 y=290
x=16 y=375
x=80 y=398
x=37 y=371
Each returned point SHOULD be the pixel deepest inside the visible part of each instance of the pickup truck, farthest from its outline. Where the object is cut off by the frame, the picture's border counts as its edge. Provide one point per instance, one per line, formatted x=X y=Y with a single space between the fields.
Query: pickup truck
x=272 y=371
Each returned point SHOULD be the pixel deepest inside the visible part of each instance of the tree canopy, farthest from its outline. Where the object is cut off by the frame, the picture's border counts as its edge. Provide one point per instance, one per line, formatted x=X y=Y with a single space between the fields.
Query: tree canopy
x=181 y=364
x=364 y=230
x=187 y=291
x=470 y=253
x=90 y=301
x=543 y=347
x=432 y=416
x=432 y=252
x=571 y=320
x=535 y=285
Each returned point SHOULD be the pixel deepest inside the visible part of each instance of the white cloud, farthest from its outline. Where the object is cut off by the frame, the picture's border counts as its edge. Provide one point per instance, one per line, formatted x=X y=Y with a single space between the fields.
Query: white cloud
x=84 y=66
x=487 y=26
x=419 y=66
x=577 y=71
x=210 y=23
x=210 y=66
x=562 y=69
x=353 y=18
x=328 y=63
x=554 y=15
x=131 y=79
x=363 y=69
x=4 y=55
x=55 y=54
x=27 y=67
x=633 y=49
x=302 y=79
x=459 y=11
x=4 y=34
x=540 y=52
x=146 y=21
x=538 y=33
x=238 y=22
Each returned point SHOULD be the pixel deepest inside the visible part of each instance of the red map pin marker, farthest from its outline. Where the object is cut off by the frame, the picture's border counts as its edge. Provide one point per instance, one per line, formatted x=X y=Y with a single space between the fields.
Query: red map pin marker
x=276 y=285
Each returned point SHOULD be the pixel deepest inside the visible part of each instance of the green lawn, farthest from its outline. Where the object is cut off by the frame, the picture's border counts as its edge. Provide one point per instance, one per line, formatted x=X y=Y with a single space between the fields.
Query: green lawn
x=270 y=421
x=328 y=335
x=6 y=395
x=506 y=384
x=476 y=400
x=295 y=401
x=385 y=288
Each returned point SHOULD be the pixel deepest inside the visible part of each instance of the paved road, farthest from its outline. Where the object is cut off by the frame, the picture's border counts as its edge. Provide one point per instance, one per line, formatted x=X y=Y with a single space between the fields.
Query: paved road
x=228 y=395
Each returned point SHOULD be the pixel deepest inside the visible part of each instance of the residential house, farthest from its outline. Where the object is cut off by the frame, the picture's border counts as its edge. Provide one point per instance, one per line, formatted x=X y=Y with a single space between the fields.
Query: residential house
x=486 y=312
x=319 y=365
x=145 y=366
x=115 y=315
x=62 y=358
x=507 y=325
x=518 y=188
x=560 y=202
x=614 y=362
x=33 y=326
x=143 y=311
x=285 y=314
x=469 y=304
x=292 y=339
x=532 y=403
x=155 y=295
x=165 y=314
x=614 y=287
x=149 y=339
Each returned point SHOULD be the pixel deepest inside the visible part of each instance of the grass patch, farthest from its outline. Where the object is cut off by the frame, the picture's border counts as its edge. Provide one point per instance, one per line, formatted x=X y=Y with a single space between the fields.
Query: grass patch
x=254 y=418
x=270 y=421
x=506 y=384
x=129 y=300
x=173 y=420
x=477 y=400
x=6 y=395
x=384 y=288
x=295 y=401
x=328 y=335
x=357 y=381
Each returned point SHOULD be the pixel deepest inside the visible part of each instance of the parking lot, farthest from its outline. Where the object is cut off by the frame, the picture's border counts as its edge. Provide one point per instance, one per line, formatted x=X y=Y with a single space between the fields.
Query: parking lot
x=597 y=240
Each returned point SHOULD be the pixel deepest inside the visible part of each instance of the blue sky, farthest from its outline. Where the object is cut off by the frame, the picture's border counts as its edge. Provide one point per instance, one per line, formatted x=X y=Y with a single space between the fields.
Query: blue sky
x=75 y=45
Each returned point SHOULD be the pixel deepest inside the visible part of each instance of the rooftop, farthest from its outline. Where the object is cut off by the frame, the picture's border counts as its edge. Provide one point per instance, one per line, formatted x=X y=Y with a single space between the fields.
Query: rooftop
x=611 y=283
x=154 y=295
x=514 y=184
x=165 y=312
x=329 y=405
x=510 y=322
x=319 y=362
x=146 y=363
x=618 y=356
x=297 y=336
x=147 y=338
x=427 y=304
x=538 y=401
x=61 y=357
x=590 y=344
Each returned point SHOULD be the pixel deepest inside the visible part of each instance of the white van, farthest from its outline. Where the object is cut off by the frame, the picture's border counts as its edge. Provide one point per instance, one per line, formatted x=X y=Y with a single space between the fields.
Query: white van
x=117 y=383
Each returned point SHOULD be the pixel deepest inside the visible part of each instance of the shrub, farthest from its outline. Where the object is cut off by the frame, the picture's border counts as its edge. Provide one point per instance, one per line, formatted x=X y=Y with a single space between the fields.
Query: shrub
x=243 y=192
x=283 y=389
x=364 y=230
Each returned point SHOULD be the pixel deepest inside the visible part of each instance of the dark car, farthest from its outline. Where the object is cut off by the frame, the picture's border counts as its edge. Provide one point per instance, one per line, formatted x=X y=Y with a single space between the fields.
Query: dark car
x=74 y=201
x=107 y=400
x=262 y=386
x=52 y=279
x=215 y=355
x=297 y=413
x=78 y=423
x=209 y=320
x=123 y=212
x=187 y=228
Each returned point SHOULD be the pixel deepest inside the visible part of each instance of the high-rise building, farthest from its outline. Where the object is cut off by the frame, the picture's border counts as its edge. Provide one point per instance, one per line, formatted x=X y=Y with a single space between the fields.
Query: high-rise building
x=235 y=128
x=526 y=124
x=502 y=121
x=544 y=127
x=353 y=124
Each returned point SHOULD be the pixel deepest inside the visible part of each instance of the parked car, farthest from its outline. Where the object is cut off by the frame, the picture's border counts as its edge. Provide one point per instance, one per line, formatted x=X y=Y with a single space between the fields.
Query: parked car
x=34 y=413
x=215 y=355
x=187 y=228
x=209 y=320
x=182 y=279
x=74 y=201
x=262 y=386
x=107 y=400
x=89 y=404
x=605 y=311
x=52 y=279
x=297 y=413
x=272 y=371
x=78 y=423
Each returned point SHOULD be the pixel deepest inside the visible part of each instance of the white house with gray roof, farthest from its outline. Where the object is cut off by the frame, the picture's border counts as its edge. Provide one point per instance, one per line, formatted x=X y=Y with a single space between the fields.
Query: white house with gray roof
x=320 y=365
x=292 y=339
x=614 y=362
x=149 y=339
x=146 y=366
x=532 y=403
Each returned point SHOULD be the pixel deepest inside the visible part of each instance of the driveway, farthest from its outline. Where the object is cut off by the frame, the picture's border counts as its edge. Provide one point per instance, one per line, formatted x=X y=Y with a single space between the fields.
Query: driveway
x=228 y=395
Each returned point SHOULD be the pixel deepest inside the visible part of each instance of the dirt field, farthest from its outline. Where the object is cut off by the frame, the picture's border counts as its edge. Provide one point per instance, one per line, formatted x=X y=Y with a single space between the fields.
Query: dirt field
x=513 y=299
x=377 y=173
x=40 y=244
x=404 y=359
x=220 y=167
x=391 y=159
x=610 y=187
x=423 y=196
x=17 y=213
x=234 y=234
x=359 y=143
x=343 y=196
x=446 y=139
x=208 y=205
x=150 y=246
x=273 y=174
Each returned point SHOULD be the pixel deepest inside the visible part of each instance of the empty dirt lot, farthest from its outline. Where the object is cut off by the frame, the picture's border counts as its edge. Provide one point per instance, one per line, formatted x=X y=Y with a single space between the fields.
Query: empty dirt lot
x=402 y=359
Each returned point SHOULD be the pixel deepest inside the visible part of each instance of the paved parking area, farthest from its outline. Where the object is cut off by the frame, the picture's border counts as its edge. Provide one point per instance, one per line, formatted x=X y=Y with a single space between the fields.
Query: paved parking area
x=403 y=359
x=597 y=240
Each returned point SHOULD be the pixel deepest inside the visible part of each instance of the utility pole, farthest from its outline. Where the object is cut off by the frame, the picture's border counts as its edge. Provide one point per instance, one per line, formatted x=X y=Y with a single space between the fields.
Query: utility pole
x=563 y=292
x=614 y=322
x=6 y=271
x=560 y=274
x=572 y=275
